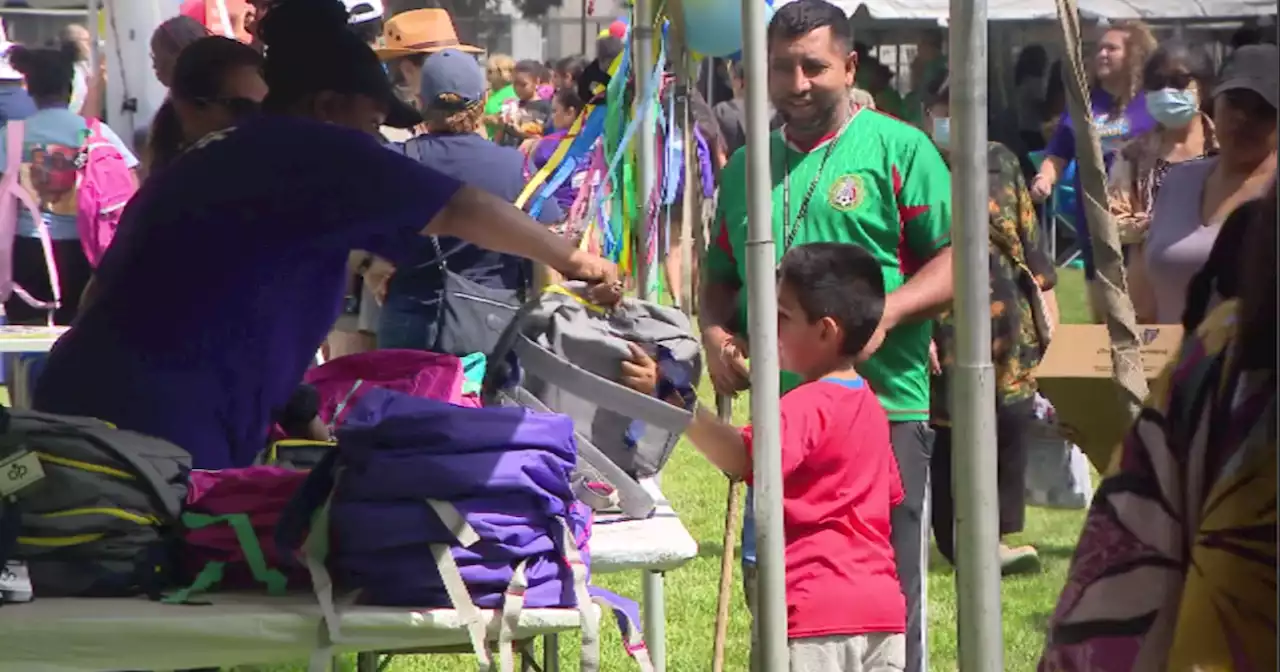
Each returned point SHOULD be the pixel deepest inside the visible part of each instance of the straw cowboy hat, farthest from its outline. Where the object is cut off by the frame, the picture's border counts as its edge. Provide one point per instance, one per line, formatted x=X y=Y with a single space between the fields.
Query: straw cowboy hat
x=420 y=31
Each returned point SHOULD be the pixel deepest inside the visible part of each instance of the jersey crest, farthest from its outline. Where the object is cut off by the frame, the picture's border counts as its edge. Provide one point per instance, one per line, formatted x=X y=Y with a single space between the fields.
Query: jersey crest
x=846 y=193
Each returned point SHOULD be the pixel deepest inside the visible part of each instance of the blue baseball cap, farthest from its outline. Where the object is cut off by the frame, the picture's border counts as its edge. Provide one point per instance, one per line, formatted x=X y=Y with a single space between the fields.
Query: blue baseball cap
x=452 y=80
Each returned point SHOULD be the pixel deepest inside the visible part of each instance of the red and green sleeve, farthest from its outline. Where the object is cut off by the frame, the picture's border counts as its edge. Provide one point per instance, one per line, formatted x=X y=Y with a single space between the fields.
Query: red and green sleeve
x=922 y=184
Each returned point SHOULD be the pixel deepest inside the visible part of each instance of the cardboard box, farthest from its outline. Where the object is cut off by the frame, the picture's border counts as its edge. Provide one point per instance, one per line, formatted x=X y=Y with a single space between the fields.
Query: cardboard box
x=1076 y=376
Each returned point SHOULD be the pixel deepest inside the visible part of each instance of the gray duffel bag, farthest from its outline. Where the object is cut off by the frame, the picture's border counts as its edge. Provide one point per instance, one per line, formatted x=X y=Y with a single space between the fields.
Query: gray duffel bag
x=562 y=354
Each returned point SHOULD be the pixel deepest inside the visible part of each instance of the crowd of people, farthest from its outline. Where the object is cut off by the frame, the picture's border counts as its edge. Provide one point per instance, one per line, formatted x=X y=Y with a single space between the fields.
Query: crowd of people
x=386 y=161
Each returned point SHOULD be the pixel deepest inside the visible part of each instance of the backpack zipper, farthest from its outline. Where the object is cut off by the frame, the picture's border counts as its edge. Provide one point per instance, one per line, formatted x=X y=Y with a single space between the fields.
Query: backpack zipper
x=86 y=466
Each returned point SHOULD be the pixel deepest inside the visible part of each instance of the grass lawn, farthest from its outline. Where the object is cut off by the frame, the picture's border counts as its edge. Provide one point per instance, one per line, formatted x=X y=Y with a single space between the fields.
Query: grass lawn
x=698 y=492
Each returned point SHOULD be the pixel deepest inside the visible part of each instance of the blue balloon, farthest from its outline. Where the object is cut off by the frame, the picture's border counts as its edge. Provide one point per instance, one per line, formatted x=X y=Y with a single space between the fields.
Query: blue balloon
x=714 y=27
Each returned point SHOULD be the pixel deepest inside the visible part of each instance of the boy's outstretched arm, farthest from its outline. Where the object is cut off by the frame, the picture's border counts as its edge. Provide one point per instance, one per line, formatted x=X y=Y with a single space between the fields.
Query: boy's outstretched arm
x=720 y=442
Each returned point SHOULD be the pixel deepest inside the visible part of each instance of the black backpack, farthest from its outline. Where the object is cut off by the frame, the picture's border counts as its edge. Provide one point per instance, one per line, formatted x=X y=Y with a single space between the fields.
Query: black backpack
x=99 y=522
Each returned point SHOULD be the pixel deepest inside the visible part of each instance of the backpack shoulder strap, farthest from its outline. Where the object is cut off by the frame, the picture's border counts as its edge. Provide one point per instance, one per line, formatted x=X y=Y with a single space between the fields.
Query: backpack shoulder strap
x=16 y=133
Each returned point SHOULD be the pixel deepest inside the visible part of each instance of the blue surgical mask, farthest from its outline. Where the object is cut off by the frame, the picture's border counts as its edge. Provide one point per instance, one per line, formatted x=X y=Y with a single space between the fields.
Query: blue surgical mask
x=942 y=132
x=1173 y=108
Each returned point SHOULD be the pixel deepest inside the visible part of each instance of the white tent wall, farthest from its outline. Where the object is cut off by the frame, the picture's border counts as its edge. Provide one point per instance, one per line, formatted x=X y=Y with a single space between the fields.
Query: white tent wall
x=133 y=93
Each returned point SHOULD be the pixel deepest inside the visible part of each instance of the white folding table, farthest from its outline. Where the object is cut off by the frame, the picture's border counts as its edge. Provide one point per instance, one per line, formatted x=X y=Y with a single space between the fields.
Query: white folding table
x=652 y=546
x=97 y=635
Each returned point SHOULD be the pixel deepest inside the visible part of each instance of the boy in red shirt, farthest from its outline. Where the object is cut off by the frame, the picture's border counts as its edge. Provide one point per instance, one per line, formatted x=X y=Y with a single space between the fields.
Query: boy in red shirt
x=845 y=609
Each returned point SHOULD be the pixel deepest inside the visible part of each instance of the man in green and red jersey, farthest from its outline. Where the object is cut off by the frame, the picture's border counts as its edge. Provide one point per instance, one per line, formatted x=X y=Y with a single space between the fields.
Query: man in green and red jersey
x=842 y=173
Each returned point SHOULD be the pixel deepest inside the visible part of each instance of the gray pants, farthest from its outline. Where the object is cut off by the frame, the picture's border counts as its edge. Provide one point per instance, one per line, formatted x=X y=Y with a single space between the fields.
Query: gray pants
x=875 y=652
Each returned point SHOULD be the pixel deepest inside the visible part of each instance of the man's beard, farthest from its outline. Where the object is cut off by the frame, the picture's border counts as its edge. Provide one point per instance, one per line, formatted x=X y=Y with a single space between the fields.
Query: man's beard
x=824 y=121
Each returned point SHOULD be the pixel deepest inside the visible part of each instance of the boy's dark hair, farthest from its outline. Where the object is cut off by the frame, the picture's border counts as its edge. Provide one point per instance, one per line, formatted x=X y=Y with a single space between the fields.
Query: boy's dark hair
x=840 y=281
x=532 y=68
x=48 y=72
x=797 y=19
x=568 y=98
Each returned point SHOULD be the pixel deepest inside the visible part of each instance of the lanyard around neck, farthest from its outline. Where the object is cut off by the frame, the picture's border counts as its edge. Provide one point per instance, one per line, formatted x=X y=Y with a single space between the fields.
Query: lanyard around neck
x=791 y=227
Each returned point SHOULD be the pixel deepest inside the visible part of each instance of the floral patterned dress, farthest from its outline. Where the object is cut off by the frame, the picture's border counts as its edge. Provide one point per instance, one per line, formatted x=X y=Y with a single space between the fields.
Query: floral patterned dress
x=1176 y=564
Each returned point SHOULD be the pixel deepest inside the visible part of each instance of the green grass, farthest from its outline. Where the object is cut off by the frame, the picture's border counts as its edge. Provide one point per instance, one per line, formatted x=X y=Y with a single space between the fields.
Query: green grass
x=699 y=493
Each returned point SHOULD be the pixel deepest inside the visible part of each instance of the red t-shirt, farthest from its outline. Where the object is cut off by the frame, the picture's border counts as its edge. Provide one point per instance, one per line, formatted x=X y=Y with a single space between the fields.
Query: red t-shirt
x=840 y=480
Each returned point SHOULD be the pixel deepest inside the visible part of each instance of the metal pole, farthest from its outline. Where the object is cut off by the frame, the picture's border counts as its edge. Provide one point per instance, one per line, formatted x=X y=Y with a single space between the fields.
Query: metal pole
x=973 y=392
x=583 y=26
x=646 y=161
x=95 y=36
x=762 y=316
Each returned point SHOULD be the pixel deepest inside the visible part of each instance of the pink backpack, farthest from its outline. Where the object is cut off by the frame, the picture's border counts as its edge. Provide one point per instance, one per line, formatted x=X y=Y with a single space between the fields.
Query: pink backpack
x=228 y=536
x=105 y=186
x=342 y=381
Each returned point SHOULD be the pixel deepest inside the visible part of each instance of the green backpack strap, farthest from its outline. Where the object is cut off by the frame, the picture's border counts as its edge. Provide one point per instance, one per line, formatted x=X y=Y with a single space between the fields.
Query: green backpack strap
x=211 y=575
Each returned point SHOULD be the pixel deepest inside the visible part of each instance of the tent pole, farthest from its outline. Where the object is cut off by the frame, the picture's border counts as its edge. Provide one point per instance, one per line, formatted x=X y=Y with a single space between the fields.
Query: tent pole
x=646 y=159
x=761 y=258
x=973 y=388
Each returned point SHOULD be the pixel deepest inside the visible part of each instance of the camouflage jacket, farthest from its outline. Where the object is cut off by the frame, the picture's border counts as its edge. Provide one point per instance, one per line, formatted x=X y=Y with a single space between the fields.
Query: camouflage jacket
x=1020 y=270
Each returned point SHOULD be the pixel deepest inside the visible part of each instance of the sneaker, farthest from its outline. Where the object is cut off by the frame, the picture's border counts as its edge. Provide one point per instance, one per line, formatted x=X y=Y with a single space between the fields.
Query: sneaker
x=1020 y=560
x=15 y=583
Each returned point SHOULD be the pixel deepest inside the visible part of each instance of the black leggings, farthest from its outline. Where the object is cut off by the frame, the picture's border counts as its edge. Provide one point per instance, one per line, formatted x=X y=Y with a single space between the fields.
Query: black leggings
x=31 y=272
x=1013 y=423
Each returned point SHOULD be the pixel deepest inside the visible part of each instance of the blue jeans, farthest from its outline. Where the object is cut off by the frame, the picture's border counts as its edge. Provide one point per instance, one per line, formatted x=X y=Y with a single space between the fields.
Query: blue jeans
x=407 y=324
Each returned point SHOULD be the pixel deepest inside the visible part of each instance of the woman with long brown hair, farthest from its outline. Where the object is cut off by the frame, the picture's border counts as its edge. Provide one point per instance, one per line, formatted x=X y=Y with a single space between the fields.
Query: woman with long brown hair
x=1119 y=111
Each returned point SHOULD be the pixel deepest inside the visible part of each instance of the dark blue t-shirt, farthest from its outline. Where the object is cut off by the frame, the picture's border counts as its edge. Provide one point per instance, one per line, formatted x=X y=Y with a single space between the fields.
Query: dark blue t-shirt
x=226 y=274
x=478 y=162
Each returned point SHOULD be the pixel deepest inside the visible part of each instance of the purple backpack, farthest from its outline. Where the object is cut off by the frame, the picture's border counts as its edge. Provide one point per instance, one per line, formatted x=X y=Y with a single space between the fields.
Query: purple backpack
x=428 y=504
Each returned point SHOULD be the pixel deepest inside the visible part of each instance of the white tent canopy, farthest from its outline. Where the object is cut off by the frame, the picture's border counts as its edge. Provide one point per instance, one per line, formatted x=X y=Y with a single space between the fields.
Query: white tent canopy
x=1031 y=10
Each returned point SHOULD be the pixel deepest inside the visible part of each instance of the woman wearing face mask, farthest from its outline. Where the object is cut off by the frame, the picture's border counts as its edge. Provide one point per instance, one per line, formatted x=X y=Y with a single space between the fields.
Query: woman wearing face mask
x=216 y=82
x=1197 y=196
x=1176 y=78
x=1119 y=113
x=245 y=241
x=1023 y=314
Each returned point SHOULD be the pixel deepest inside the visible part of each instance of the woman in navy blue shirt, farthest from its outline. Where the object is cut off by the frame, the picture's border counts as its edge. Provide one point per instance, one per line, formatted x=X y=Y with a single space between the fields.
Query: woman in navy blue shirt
x=229 y=267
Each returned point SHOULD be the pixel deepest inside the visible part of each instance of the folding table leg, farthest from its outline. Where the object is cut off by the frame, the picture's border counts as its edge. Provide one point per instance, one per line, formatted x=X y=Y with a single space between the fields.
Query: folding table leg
x=551 y=653
x=655 y=619
x=366 y=661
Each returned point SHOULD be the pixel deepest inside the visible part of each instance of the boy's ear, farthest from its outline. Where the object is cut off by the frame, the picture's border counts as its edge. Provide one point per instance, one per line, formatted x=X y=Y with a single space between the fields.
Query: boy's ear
x=831 y=329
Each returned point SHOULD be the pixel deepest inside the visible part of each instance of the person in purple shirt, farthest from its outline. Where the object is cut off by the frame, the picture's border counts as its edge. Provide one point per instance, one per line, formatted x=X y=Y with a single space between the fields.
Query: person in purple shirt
x=565 y=107
x=1119 y=110
x=229 y=268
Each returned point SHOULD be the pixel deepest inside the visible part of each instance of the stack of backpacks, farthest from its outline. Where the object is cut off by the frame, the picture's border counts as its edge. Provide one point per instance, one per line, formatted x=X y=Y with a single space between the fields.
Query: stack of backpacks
x=426 y=499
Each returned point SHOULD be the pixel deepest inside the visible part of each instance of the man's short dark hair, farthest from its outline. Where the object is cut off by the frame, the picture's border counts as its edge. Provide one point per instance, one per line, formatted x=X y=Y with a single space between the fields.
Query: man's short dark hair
x=797 y=19
x=840 y=281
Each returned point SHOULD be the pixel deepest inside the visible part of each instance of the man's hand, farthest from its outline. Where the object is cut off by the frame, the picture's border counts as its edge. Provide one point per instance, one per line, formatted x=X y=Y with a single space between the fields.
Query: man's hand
x=726 y=361
x=606 y=288
x=640 y=372
x=935 y=366
x=376 y=278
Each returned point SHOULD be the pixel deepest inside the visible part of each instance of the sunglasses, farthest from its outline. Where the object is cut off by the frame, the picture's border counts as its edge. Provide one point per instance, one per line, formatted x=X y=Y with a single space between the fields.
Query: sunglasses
x=1172 y=80
x=239 y=107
